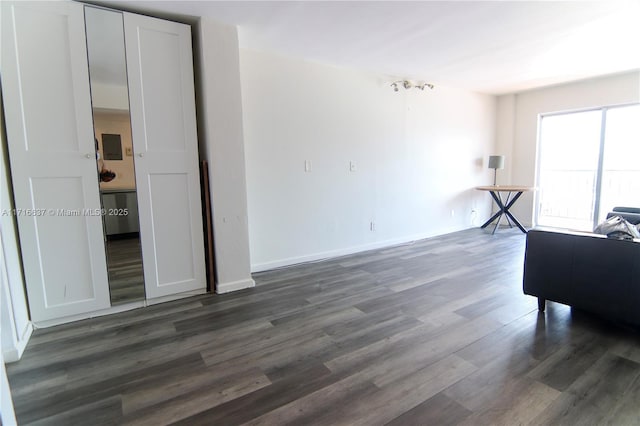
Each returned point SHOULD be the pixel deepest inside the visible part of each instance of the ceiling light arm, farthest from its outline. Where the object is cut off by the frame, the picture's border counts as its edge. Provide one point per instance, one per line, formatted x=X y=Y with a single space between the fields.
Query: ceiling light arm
x=408 y=84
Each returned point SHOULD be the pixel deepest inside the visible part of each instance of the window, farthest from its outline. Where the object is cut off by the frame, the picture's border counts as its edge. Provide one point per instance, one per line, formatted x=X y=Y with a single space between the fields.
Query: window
x=589 y=162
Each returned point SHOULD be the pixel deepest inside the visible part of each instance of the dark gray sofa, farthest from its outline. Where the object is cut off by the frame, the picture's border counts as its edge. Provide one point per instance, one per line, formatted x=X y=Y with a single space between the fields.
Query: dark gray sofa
x=586 y=271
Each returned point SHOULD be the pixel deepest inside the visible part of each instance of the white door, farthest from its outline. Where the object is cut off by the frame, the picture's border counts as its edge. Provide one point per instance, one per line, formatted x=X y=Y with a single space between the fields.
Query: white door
x=163 y=119
x=53 y=164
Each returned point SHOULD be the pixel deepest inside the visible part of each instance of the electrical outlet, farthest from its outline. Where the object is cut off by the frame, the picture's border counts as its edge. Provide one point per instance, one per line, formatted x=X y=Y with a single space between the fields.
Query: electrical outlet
x=372 y=226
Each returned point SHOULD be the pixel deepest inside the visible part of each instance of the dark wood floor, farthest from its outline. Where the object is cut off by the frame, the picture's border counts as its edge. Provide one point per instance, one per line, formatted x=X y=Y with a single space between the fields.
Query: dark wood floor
x=433 y=333
x=124 y=263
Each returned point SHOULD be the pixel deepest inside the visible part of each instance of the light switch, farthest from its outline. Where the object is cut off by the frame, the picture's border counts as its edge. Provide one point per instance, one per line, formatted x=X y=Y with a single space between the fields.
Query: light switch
x=307 y=166
x=352 y=166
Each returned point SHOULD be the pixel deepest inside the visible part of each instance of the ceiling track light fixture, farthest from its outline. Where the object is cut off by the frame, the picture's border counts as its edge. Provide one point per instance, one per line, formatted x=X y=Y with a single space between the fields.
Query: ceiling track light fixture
x=408 y=84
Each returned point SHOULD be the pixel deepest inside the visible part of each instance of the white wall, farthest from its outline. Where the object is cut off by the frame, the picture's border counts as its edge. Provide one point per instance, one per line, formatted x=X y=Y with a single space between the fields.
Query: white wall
x=16 y=328
x=418 y=156
x=9 y=344
x=517 y=129
x=505 y=131
x=116 y=122
x=221 y=142
x=7 y=413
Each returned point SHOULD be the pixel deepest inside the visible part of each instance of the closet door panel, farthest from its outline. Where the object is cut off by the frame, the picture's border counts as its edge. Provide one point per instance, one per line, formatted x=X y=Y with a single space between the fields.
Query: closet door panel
x=166 y=154
x=51 y=145
x=62 y=239
x=57 y=110
x=162 y=78
x=174 y=252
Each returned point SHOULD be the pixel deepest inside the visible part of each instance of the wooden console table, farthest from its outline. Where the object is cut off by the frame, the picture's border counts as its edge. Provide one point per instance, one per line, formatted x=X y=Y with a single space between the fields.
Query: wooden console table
x=513 y=193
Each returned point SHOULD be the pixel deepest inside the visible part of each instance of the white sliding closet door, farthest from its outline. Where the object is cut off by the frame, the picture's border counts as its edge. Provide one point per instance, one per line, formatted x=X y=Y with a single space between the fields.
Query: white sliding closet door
x=45 y=82
x=160 y=72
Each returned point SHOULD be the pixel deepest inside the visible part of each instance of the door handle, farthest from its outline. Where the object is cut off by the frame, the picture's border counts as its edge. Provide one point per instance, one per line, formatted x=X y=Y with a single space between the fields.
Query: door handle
x=141 y=155
x=90 y=156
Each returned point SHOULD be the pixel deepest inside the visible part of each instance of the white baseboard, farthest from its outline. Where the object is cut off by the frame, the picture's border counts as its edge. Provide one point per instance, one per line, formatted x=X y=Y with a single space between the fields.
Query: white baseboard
x=14 y=354
x=222 y=288
x=266 y=266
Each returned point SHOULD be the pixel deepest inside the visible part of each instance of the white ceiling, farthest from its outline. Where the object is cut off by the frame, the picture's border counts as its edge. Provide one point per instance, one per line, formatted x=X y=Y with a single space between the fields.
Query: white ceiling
x=105 y=47
x=487 y=46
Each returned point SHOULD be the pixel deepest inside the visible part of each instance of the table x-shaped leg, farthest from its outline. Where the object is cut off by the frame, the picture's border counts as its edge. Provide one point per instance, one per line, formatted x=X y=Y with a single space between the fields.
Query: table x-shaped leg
x=504 y=210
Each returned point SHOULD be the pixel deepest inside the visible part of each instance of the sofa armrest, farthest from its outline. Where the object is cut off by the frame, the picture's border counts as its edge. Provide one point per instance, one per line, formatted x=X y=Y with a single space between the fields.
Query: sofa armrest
x=547 y=265
x=635 y=210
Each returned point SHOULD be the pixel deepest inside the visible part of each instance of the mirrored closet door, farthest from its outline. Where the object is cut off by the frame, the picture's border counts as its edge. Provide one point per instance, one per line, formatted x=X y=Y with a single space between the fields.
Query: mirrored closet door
x=115 y=165
x=95 y=81
x=163 y=121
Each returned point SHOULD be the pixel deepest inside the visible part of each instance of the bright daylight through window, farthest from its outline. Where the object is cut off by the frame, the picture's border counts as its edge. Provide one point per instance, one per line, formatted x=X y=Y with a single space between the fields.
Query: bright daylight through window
x=588 y=163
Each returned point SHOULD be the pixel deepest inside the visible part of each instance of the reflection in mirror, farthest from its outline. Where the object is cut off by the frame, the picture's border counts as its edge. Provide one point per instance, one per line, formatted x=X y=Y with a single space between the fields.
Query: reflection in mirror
x=112 y=127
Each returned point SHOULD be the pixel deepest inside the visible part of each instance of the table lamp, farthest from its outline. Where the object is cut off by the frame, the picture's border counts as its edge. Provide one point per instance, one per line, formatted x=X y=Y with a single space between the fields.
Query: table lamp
x=496 y=162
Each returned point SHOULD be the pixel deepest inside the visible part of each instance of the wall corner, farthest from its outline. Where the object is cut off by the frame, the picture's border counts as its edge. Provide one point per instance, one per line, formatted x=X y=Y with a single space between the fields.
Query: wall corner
x=219 y=103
